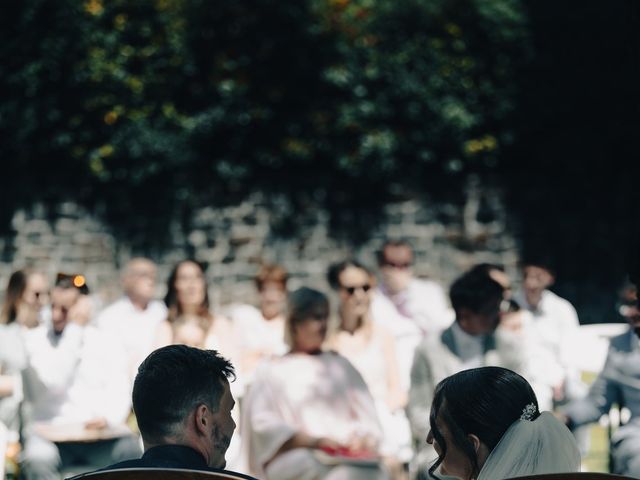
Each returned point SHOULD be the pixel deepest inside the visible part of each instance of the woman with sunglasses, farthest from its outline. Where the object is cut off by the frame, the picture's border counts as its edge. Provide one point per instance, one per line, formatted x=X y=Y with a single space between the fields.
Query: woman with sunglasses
x=371 y=349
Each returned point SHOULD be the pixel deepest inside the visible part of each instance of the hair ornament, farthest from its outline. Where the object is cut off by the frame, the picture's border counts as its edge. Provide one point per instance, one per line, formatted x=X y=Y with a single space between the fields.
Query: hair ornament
x=529 y=412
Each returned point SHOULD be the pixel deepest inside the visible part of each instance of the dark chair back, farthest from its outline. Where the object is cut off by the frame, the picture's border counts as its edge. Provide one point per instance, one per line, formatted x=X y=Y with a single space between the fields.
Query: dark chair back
x=160 y=474
x=573 y=476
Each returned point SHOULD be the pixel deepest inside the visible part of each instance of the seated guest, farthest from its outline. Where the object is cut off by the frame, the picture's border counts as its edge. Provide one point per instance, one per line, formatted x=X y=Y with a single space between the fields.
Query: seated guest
x=135 y=317
x=183 y=403
x=260 y=331
x=473 y=340
x=189 y=330
x=25 y=296
x=187 y=294
x=306 y=402
x=618 y=383
x=25 y=299
x=486 y=425
x=410 y=308
x=77 y=388
x=370 y=347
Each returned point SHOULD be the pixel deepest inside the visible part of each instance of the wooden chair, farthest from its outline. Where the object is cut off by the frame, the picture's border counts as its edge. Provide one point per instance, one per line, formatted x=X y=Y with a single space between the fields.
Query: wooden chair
x=573 y=476
x=160 y=474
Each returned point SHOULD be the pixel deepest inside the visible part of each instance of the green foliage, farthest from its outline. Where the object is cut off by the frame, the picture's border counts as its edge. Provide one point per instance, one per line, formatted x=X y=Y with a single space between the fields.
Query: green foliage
x=150 y=108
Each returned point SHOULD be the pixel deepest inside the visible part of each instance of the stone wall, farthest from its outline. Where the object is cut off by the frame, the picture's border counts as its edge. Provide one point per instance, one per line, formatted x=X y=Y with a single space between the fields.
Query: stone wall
x=234 y=240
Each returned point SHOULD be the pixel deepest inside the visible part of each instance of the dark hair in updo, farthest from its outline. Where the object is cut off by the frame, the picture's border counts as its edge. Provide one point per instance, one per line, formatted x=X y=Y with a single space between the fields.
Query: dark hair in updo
x=481 y=401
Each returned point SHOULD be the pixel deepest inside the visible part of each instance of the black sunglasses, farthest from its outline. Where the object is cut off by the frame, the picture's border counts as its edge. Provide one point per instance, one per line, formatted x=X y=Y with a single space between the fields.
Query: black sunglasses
x=351 y=290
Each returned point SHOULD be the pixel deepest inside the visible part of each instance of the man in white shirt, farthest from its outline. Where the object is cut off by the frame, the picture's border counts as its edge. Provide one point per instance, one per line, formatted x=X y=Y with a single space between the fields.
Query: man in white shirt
x=556 y=324
x=409 y=308
x=134 y=318
x=77 y=391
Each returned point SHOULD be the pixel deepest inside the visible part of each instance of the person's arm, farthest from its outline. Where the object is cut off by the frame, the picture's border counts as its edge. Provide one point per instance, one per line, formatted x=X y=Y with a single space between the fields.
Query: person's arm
x=396 y=398
x=604 y=392
x=420 y=395
x=164 y=335
x=7 y=385
x=113 y=402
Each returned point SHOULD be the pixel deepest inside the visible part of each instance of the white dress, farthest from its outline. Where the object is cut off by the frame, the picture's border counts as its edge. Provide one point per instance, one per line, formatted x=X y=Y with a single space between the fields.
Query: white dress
x=321 y=395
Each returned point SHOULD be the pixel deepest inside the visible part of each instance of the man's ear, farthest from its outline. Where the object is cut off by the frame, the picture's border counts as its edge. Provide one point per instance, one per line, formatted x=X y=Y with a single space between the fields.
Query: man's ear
x=202 y=419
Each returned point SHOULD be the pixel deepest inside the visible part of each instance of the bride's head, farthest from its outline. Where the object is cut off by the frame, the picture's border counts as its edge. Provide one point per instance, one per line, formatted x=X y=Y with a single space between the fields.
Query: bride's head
x=470 y=413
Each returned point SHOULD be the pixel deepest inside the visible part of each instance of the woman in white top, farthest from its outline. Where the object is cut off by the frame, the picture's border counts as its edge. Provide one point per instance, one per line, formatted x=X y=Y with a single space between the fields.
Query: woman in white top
x=371 y=349
x=485 y=425
x=308 y=405
x=187 y=298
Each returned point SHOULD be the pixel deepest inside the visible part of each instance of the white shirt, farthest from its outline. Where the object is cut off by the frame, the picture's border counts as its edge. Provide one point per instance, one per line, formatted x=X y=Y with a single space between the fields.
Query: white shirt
x=470 y=347
x=556 y=324
x=75 y=377
x=422 y=309
x=134 y=328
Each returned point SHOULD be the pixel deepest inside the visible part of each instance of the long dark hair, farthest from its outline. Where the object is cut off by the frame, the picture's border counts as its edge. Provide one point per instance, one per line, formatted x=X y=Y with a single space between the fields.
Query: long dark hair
x=481 y=401
x=171 y=298
x=15 y=290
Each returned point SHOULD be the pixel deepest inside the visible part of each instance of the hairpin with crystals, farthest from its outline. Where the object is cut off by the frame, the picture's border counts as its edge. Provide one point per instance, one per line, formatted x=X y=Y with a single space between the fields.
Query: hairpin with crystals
x=529 y=412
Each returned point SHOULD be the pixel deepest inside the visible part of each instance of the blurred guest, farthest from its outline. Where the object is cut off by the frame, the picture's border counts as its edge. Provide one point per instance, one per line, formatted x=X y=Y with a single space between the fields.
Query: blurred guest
x=408 y=307
x=187 y=293
x=618 y=383
x=371 y=349
x=77 y=389
x=520 y=322
x=26 y=296
x=187 y=299
x=307 y=402
x=474 y=340
x=260 y=331
x=556 y=323
x=134 y=318
x=190 y=330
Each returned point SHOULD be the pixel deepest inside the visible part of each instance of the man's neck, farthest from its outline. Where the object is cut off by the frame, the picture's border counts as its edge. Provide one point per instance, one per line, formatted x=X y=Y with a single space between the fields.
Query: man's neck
x=139 y=303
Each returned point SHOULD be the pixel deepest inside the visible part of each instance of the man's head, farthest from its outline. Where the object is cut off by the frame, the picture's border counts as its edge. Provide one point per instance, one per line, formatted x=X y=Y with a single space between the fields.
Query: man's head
x=271 y=282
x=181 y=396
x=537 y=276
x=139 y=280
x=69 y=302
x=395 y=260
x=476 y=298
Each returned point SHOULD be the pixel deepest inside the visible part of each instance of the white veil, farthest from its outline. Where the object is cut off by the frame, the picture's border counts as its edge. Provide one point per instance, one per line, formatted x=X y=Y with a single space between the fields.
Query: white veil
x=543 y=445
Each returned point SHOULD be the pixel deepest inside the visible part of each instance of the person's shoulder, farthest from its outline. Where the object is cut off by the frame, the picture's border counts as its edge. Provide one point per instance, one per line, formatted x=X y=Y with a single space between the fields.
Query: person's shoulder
x=622 y=342
x=425 y=285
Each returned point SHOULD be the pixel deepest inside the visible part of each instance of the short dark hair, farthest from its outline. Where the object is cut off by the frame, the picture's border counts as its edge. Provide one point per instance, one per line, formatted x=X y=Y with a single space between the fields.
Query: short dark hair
x=540 y=260
x=392 y=242
x=333 y=274
x=481 y=401
x=473 y=290
x=302 y=304
x=174 y=380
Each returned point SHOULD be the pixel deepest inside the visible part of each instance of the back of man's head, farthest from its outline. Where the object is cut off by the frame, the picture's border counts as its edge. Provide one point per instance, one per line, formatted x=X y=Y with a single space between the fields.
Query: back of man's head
x=171 y=382
x=473 y=291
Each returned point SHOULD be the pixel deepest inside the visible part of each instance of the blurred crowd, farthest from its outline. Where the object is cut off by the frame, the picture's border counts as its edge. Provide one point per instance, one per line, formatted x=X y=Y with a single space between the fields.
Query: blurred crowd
x=324 y=390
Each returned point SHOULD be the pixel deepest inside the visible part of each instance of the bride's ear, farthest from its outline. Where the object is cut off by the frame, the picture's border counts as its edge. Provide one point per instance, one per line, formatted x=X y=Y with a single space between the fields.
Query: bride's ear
x=475 y=441
x=482 y=452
